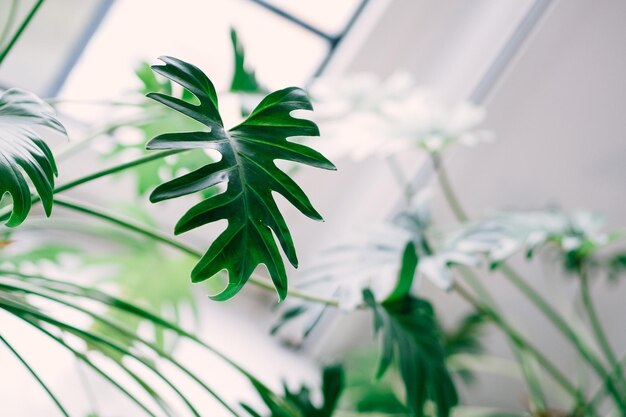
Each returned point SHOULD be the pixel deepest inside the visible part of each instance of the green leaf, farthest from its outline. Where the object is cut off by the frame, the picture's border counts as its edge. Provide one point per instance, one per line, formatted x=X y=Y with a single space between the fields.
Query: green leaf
x=153 y=120
x=244 y=79
x=406 y=275
x=247 y=166
x=466 y=336
x=23 y=153
x=298 y=403
x=410 y=332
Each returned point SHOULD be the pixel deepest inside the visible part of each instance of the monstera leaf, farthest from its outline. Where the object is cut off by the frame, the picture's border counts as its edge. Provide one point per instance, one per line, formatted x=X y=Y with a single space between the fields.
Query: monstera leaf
x=247 y=167
x=23 y=153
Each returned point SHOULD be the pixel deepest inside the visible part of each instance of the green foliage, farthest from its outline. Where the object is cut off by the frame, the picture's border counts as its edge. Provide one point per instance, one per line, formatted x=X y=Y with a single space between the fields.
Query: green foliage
x=466 y=336
x=410 y=332
x=299 y=403
x=616 y=266
x=248 y=151
x=244 y=79
x=408 y=268
x=154 y=280
x=363 y=394
x=16 y=292
x=153 y=120
x=24 y=153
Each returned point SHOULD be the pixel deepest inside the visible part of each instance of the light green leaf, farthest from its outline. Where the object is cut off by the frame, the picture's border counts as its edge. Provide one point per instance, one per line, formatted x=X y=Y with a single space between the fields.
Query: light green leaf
x=23 y=153
x=247 y=166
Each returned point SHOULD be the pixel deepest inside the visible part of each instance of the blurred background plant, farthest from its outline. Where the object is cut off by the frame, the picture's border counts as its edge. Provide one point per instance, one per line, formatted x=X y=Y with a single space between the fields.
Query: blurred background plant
x=112 y=287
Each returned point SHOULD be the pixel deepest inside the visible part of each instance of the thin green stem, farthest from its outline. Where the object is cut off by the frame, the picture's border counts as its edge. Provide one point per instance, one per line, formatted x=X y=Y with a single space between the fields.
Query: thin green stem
x=8 y=24
x=164 y=239
x=448 y=191
x=107 y=300
x=597 y=329
x=603 y=389
x=115 y=169
x=400 y=178
x=126 y=333
x=566 y=330
x=552 y=315
x=20 y=30
x=16 y=308
x=37 y=378
x=83 y=358
x=105 y=129
x=526 y=368
x=519 y=340
x=96 y=175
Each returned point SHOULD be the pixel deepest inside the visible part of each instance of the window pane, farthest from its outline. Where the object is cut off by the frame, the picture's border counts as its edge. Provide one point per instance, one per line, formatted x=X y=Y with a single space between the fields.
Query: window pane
x=327 y=15
x=196 y=31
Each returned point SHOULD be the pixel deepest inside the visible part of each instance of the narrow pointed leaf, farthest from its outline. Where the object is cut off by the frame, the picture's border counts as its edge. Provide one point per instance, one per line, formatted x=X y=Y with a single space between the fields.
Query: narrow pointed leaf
x=406 y=275
x=244 y=79
x=247 y=170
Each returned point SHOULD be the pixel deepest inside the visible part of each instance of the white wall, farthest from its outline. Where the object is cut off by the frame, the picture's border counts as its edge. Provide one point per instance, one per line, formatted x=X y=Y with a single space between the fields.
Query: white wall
x=558 y=114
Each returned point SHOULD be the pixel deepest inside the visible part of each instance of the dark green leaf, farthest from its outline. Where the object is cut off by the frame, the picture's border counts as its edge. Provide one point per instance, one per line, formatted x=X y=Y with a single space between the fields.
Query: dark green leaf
x=247 y=166
x=406 y=275
x=153 y=120
x=410 y=333
x=23 y=153
x=466 y=336
x=244 y=79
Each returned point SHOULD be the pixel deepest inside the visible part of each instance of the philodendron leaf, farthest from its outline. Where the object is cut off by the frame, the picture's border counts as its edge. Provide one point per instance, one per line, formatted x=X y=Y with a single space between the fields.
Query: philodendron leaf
x=411 y=334
x=23 y=153
x=247 y=166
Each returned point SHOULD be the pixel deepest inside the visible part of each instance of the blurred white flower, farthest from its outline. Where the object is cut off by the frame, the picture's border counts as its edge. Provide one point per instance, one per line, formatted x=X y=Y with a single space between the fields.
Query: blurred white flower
x=361 y=116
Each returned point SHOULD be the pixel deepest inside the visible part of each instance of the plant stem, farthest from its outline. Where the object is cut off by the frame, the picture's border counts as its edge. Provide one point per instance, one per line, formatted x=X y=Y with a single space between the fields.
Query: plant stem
x=603 y=386
x=519 y=340
x=527 y=370
x=556 y=319
x=597 y=329
x=400 y=178
x=115 y=169
x=23 y=26
x=9 y=22
x=37 y=378
x=126 y=333
x=82 y=357
x=162 y=238
x=566 y=330
x=22 y=310
x=96 y=175
x=448 y=192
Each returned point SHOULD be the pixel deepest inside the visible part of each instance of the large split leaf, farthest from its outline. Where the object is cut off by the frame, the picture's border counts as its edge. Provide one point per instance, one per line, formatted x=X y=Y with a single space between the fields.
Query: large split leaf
x=24 y=154
x=247 y=166
x=410 y=332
